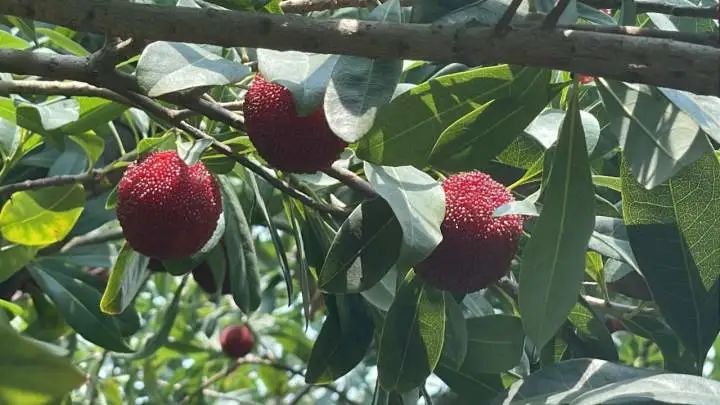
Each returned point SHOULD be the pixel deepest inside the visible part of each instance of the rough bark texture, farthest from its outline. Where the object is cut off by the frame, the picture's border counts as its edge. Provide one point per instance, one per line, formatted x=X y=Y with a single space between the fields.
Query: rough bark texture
x=655 y=61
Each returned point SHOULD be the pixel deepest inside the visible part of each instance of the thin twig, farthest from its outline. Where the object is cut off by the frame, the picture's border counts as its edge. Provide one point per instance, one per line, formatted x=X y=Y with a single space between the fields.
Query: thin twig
x=503 y=25
x=55 y=88
x=230 y=105
x=351 y=180
x=554 y=16
x=53 y=181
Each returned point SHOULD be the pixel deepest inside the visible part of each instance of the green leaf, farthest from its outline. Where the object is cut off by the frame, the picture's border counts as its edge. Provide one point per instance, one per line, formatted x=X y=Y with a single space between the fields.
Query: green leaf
x=418 y=202
x=554 y=258
x=127 y=277
x=306 y=75
x=545 y=128
x=674 y=233
x=13 y=258
x=473 y=140
x=591 y=330
x=240 y=251
x=343 y=341
x=41 y=217
x=675 y=356
x=79 y=304
x=91 y=144
x=657 y=138
x=27 y=27
x=32 y=373
x=495 y=343
x=157 y=340
x=412 y=335
x=663 y=388
x=94 y=113
x=472 y=386
x=9 y=41
x=359 y=86
x=406 y=129
x=365 y=247
x=47 y=116
x=563 y=382
x=63 y=42
x=168 y=67
x=611 y=240
x=455 y=345
x=705 y=110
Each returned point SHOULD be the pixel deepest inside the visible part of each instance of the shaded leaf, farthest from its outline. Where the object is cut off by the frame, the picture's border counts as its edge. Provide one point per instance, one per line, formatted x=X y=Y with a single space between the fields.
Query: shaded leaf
x=675 y=236
x=554 y=259
x=343 y=340
x=365 y=247
x=13 y=258
x=412 y=335
x=127 y=277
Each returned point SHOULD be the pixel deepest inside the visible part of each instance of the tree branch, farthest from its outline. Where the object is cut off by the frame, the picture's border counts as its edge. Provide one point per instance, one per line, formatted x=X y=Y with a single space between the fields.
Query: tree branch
x=351 y=180
x=655 y=61
x=53 y=181
x=306 y=6
x=53 y=88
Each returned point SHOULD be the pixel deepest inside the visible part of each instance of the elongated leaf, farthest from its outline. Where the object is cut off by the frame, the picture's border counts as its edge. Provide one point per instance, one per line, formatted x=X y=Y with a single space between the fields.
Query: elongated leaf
x=343 y=341
x=32 y=372
x=41 y=217
x=479 y=136
x=80 y=305
x=418 y=202
x=704 y=110
x=306 y=75
x=455 y=345
x=94 y=113
x=471 y=386
x=495 y=344
x=406 y=130
x=554 y=258
x=167 y=67
x=412 y=336
x=242 y=259
x=127 y=277
x=561 y=383
x=91 y=144
x=63 y=42
x=675 y=356
x=674 y=234
x=13 y=258
x=45 y=117
x=358 y=86
x=9 y=41
x=590 y=329
x=657 y=138
x=365 y=248
x=168 y=319
x=663 y=388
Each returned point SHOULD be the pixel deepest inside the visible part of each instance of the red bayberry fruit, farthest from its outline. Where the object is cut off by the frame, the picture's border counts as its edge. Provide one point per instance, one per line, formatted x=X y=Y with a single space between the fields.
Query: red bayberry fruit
x=236 y=341
x=477 y=248
x=167 y=209
x=284 y=139
x=585 y=79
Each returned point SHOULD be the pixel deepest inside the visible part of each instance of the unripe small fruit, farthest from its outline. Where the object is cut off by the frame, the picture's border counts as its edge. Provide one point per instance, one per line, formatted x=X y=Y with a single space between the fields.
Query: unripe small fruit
x=477 y=248
x=236 y=341
x=285 y=140
x=167 y=209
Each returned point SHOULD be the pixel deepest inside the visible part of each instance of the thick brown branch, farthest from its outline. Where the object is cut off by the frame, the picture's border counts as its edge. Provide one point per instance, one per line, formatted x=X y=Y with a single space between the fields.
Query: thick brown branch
x=629 y=58
x=306 y=6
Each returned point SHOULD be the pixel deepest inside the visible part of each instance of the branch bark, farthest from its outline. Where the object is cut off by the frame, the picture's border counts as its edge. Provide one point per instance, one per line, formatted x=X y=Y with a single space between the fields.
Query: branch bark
x=626 y=57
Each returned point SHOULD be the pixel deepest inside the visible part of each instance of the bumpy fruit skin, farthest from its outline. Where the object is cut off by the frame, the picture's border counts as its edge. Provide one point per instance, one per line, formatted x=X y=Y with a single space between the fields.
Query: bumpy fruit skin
x=477 y=248
x=284 y=139
x=236 y=341
x=167 y=209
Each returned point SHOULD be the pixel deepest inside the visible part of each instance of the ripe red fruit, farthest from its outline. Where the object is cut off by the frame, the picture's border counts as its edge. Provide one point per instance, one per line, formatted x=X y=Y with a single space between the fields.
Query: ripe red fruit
x=236 y=341
x=167 y=209
x=585 y=79
x=284 y=139
x=477 y=248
